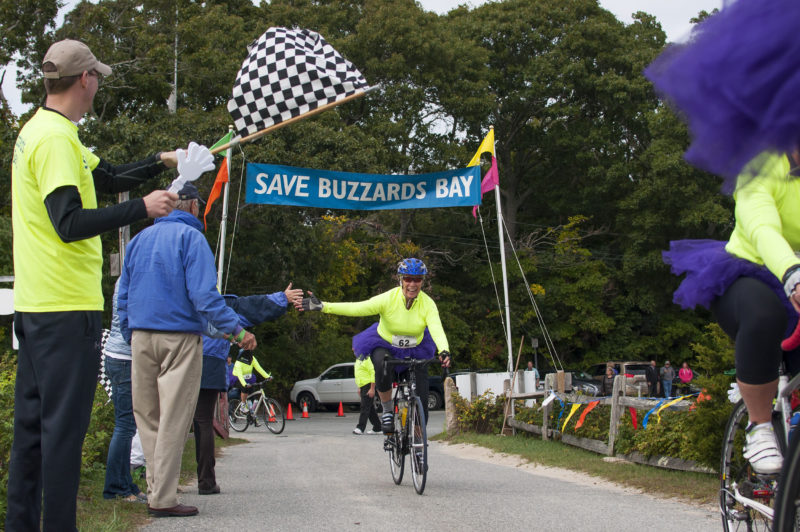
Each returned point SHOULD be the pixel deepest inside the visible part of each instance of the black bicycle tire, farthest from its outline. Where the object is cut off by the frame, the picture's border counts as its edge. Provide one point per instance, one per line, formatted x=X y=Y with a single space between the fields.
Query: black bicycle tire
x=418 y=459
x=277 y=426
x=397 y=457
x=786 y=521
x=733 y=470
x=234 y=406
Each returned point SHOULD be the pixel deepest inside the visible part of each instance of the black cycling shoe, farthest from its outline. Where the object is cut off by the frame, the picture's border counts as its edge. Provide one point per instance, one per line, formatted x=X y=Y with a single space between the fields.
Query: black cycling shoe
x=387 y=423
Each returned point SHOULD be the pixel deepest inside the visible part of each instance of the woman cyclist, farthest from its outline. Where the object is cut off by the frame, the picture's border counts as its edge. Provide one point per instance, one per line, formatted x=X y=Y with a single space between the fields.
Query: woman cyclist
x=409 y=327
x=750 y=284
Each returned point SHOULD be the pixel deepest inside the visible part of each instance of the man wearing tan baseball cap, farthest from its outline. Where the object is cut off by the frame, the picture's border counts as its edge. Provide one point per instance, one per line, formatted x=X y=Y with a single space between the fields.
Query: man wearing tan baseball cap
x=72 y=58
x=58 y=299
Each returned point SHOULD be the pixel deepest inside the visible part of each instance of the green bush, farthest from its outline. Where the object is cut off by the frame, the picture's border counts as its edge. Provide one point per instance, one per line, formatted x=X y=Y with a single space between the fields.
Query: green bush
x=483 y=414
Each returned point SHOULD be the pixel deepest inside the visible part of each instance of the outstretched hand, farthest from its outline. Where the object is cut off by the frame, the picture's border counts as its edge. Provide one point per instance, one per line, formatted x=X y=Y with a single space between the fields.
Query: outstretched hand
x=294 y=295
x=311 y=302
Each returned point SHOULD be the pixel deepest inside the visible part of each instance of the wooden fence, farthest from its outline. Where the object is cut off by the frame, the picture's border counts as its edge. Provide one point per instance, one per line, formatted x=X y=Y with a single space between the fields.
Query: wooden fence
x=618 y=402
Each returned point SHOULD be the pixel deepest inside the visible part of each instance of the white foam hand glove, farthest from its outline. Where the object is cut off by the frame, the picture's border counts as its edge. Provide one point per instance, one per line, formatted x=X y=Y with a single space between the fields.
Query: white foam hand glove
x=733 y=394
x=192 y=162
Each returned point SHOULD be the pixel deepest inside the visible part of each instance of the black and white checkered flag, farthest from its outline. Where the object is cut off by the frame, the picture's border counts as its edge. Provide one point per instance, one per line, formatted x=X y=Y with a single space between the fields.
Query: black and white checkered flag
x=102 y=377
x=287 y=73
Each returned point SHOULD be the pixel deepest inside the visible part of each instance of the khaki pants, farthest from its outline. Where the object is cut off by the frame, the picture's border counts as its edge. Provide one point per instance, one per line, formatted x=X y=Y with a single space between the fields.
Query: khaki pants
x=165 y=380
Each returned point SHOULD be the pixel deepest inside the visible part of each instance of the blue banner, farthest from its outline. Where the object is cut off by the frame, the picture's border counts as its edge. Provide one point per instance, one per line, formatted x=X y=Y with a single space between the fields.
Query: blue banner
x=287 y=185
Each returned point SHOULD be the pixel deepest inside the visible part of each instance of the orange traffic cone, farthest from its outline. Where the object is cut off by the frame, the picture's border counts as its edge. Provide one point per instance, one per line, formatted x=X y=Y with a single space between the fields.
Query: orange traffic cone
x=289 y=416
x=305 y=411
x=341 y=410
x=271 y=412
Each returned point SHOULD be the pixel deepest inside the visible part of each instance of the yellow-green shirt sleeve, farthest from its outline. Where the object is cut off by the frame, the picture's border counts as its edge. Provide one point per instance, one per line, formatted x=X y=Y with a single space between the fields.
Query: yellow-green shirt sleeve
x=370 y=307
x=258 y=368
x=768 y=219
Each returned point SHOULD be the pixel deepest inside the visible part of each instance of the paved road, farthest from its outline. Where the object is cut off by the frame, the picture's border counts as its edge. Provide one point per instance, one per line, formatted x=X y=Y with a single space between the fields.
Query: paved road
x=317 y=475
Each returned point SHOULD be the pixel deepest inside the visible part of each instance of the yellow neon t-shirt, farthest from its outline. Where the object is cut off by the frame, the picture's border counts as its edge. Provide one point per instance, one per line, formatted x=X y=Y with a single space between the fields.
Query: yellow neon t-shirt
x=51 y=275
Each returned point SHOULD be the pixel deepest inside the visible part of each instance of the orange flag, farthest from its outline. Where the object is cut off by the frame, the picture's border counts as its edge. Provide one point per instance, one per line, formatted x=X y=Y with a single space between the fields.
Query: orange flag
x=586 y=410
x=222 y=178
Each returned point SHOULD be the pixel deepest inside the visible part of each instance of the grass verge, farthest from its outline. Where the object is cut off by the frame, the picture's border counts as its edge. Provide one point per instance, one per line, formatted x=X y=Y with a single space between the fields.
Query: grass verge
x=98 y=514
x=690 y=487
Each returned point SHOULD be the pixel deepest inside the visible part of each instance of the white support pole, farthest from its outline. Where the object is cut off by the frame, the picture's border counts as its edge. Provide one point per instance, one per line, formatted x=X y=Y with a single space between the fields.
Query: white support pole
x=223 y=226
x=505 y=274
x=505 y=281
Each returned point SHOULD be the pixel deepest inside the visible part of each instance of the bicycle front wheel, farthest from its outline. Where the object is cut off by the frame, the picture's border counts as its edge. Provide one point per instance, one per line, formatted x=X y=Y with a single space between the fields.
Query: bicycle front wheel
x=787 y=517
x=394 y=444
x=741 y=490
x=418 y=438
x=273 y=416
x=237 y=415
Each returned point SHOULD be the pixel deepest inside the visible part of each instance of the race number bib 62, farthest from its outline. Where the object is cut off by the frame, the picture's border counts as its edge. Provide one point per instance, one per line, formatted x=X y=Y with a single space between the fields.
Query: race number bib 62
x=404 y=342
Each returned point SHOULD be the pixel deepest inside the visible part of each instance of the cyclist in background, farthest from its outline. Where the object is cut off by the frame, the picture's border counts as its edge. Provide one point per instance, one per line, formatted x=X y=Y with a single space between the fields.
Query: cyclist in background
x=409 y=327
x=243 y=371
x=750 y=284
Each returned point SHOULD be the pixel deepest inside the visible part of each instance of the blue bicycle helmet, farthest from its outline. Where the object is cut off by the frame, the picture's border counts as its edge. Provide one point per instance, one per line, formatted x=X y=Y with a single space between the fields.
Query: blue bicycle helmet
x=412 y=266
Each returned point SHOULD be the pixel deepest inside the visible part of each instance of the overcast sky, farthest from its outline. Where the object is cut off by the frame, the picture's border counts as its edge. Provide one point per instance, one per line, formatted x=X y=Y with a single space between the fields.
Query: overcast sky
x=673 y=15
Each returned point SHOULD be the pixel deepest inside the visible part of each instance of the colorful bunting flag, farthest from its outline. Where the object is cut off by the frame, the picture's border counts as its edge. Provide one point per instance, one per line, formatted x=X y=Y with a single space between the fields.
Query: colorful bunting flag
x=588 y=409
x=572 y=411
x=216 y=190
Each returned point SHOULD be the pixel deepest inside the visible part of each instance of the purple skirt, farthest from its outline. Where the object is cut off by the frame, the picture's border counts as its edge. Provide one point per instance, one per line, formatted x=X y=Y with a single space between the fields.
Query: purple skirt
x=365 y=342
x=736 y=82
x=710 y=270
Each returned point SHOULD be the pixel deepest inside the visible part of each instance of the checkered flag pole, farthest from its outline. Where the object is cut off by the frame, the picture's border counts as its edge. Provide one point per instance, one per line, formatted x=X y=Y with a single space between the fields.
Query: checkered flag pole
x=289 y=75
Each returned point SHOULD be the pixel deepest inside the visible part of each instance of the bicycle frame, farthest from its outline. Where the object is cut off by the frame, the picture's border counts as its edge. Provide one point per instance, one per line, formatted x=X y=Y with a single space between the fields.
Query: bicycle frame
x=783 y=410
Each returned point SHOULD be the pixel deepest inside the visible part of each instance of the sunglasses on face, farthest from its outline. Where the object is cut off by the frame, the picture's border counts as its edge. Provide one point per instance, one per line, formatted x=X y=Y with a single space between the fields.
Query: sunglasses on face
x=412 y=279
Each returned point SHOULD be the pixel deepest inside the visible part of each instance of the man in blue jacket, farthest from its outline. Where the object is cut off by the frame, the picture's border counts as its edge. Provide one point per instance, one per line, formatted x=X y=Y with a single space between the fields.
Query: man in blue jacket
x=167 y=297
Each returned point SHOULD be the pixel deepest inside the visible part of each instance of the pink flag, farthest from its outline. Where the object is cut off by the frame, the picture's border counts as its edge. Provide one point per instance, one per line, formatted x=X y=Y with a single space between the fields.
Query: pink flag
x=490 y=180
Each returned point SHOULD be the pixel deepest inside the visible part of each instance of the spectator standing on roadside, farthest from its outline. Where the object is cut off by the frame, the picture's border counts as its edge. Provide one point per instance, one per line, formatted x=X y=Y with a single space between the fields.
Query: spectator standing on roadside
x=365 y=380
x=685 y=375
x=652 y=377
x=58 y=299
x=667 y=376
x=251 y=310
x=607 y=385
x=167 y=296
x=119 y=484
x=535 y=373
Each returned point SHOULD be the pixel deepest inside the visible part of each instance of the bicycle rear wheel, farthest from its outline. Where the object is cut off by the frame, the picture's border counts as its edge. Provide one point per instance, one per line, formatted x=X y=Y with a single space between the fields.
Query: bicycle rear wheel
x=787 y=517
x=738 y=482
x=237 y=416
x=419 y=446
x=273 y=416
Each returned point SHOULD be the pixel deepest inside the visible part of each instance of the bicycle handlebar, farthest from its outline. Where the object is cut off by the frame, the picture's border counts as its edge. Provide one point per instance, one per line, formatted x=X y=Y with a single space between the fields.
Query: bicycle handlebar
x=413 y=362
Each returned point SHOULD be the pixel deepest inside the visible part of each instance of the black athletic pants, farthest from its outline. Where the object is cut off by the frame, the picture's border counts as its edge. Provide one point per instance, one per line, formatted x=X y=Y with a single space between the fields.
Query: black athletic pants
x=58 y=362
x=204 y=438
x=754 y=317
x=384 y=379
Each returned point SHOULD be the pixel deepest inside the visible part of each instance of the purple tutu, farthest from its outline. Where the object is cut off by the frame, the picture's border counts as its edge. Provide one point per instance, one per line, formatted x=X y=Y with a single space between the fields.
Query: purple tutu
x=365 y=342
x=736 y=84
x=710 y=270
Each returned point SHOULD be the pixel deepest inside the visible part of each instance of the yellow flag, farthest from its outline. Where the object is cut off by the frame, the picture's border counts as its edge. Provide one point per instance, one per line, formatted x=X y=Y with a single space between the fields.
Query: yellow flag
x=572 y=411
x=486 y=145
x=667 y=405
